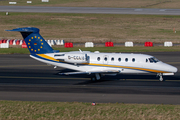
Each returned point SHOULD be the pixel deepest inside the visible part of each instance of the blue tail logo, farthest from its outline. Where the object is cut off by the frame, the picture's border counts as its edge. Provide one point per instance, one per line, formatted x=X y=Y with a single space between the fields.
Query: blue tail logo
x=35 y=42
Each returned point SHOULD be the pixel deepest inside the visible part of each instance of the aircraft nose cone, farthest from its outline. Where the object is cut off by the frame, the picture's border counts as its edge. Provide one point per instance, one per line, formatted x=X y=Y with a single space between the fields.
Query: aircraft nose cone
x=174 y=69
x=170 y=68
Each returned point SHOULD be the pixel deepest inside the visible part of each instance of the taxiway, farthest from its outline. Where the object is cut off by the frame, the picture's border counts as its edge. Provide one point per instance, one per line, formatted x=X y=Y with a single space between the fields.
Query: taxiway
x=23 y=78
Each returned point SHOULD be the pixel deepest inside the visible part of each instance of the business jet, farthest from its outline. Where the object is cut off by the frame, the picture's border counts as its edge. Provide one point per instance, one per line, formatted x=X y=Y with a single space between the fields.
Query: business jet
x=94 y=63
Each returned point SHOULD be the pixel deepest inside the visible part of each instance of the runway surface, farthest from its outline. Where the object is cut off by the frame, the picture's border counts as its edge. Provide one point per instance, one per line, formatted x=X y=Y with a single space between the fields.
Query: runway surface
x=97 y=10
x=23 y=78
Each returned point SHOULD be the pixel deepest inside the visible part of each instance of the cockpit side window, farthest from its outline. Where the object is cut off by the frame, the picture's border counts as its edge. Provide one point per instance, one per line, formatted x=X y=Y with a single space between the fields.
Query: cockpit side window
x=153 y=60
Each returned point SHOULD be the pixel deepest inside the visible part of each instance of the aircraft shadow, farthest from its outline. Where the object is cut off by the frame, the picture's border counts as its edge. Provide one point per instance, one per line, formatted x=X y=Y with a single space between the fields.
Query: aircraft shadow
x=123 y=78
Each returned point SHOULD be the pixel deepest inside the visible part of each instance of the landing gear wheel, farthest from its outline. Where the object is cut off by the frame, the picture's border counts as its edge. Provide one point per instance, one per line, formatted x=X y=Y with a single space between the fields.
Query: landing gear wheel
x=93 y=79
x=160 y=77
x=96 y=77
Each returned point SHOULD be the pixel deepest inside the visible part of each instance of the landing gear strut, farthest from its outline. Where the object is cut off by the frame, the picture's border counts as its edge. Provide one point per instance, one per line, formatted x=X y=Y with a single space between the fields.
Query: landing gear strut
x=97 y=76
x=160 y=77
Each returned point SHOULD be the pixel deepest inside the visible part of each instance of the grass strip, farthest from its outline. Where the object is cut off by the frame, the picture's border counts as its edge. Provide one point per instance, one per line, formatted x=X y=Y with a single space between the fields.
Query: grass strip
x=97 y=28
x=100 y=49
x=101 y=3
x=123 y=49
x=78 y=111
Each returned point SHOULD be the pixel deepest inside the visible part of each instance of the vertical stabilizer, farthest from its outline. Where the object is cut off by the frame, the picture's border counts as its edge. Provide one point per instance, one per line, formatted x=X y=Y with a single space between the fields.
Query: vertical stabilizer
x=35 y=42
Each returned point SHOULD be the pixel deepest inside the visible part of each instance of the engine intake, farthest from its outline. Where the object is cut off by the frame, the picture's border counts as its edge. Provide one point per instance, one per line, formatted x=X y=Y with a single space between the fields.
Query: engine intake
x=72 y=58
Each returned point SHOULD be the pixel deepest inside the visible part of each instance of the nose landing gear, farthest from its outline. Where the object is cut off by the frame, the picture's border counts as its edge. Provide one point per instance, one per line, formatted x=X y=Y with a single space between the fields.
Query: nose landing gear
x=160 y=77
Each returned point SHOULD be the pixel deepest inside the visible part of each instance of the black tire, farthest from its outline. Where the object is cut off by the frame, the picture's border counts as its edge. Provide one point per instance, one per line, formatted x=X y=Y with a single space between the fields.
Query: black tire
x=93 y=79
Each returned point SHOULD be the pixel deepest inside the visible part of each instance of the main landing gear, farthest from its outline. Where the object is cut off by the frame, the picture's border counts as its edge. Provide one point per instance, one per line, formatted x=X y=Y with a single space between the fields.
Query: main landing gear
x=97 y=76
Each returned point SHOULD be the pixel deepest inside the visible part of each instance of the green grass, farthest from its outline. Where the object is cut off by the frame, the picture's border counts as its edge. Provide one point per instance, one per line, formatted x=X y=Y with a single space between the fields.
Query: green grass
x=101 y=3
x=122 y=49
x=14 y=51
x=94 y=27
x=101 y=49
x=76 y=111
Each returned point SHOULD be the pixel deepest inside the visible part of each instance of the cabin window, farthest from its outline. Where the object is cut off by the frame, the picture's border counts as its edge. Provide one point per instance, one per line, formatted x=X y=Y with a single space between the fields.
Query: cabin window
x=126 y=59
x=105 y=58
x=112 y=59
x=133 y=60
x=119 y=59
x=98 y=58
x=146 y=60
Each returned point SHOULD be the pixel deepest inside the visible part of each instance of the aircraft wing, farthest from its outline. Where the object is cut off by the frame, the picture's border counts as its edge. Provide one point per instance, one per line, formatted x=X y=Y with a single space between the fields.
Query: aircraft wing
x=91 y=72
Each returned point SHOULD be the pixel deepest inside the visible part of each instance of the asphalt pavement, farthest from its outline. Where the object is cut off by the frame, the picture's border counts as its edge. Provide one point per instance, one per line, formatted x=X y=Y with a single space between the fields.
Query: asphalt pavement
x=23 y=78
x=96 y=10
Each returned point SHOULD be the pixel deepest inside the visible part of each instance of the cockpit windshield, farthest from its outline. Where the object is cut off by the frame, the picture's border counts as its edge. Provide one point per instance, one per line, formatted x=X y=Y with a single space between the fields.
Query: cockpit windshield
x=153 y=60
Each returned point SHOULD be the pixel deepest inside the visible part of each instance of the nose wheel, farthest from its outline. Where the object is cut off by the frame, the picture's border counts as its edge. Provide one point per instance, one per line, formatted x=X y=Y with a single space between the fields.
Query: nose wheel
x=160 y=77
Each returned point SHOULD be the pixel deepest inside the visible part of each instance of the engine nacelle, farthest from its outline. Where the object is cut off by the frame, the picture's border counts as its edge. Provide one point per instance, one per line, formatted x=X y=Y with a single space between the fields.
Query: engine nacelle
x=76 y=58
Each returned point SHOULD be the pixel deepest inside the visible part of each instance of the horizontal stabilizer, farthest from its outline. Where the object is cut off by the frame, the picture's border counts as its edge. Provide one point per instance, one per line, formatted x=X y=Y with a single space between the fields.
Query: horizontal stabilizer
x=25 y=29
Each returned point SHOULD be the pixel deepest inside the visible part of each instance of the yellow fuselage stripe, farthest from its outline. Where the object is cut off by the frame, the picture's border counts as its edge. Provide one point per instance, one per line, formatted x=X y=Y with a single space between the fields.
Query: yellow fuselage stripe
x=143 y=69
x=47 y=57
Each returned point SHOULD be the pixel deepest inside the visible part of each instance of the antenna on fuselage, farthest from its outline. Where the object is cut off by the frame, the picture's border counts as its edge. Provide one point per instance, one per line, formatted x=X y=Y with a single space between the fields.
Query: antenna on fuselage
x=80 y=51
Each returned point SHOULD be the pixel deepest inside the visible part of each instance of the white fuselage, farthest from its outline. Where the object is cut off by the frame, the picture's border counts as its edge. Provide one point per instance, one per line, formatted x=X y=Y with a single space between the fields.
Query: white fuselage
x=95 y=61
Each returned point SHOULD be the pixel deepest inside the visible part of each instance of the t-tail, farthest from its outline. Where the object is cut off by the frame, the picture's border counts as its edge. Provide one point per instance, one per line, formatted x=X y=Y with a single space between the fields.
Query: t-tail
x=34 y=41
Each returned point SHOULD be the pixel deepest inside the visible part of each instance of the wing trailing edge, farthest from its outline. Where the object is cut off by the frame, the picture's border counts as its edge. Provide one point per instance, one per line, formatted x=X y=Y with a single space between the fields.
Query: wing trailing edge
x=91 y=72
